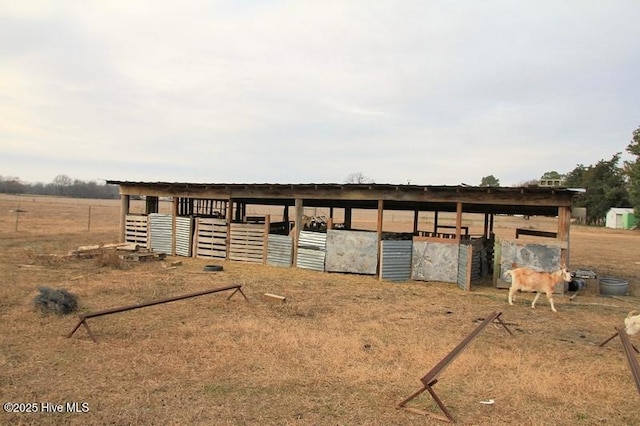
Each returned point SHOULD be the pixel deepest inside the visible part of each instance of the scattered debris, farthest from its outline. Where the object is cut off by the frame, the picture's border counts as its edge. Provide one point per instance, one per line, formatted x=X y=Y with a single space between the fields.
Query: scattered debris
x=143 y=255
x=59 y=302
x=488 y=402
x=584 y=273
x=125 y=251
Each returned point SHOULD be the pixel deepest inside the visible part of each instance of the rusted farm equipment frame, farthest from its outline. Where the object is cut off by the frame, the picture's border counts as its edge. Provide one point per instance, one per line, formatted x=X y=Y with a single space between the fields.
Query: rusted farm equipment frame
x=629 y=348
x=431 y=378
x=85 y=317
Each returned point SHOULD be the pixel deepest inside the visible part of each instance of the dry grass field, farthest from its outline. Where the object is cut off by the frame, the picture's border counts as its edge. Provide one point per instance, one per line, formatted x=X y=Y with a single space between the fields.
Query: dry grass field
x=342 y=350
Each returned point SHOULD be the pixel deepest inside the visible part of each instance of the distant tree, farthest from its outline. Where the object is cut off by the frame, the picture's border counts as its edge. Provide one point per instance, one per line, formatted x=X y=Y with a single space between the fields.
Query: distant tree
x=605 y=186
x=61 y=185
x=11 y=185
x=632 y=170
x=531 y=182
x=358 y=177
x=552 y=175
x=60 y=182
x=490 y=181
x=575 y=178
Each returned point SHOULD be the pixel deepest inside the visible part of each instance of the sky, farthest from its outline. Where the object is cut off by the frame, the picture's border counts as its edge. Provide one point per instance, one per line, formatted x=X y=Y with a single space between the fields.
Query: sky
x=427 y=92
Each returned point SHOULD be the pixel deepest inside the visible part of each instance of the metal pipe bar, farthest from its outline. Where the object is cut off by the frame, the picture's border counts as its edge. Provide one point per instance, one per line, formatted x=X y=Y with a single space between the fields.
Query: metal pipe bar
x=430 y=379
x=156 y=302
x=631 y=357
x=435 y=371
x=613 y=337
x=84 y=317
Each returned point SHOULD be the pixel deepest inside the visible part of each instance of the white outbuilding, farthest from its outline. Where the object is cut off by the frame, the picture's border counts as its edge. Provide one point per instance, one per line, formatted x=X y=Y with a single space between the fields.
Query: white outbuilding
x=621 y=218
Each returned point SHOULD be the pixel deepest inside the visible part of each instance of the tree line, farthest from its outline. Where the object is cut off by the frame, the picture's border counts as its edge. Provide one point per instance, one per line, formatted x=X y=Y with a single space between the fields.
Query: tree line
x=62 y=185
x=607 y=183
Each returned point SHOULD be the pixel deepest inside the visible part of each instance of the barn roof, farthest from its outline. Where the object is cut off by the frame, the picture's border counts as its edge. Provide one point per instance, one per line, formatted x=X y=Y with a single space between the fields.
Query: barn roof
x=530 y=200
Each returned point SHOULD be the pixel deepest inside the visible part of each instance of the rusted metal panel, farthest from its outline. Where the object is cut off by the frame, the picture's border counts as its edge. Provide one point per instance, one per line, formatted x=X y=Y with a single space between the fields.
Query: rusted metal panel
x=539 y=257
x=352 y=251
x=279 y=250
x=434 y=261
x=396 y=260
x=312 y=250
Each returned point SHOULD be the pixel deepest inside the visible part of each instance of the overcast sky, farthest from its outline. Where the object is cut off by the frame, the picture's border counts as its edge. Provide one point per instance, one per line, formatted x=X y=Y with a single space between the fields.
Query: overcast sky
x=431 y=92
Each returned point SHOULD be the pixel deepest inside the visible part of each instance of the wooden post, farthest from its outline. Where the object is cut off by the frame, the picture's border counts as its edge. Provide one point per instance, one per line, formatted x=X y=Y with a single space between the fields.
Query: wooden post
x=229 y=218
x=265 y=239
x=564 y=221
x=415 y=221
x=17 y=216
x=486 y=225
x=458 y=221
x=89 y=220
x=347 y=218
x=124 y=211
x=435 y=222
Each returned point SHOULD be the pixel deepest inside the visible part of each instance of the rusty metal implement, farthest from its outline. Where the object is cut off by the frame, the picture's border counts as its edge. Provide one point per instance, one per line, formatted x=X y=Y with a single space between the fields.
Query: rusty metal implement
x=431 y=378
x=85 y=317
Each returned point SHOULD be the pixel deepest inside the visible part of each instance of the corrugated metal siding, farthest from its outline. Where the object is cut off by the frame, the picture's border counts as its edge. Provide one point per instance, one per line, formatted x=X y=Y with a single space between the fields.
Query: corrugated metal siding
x=184 y=232
x=279 y=250
x=311 y=250
x=396 y=260
x=478 y=254
x=464 y=257
x=160 y=232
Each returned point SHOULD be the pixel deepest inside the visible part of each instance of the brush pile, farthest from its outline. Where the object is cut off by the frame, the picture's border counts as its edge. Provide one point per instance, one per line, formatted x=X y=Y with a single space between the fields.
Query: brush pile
x=59 y=302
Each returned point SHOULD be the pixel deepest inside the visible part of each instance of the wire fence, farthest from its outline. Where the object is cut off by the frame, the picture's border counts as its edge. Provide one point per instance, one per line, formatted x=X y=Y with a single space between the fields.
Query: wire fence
x=43 y=214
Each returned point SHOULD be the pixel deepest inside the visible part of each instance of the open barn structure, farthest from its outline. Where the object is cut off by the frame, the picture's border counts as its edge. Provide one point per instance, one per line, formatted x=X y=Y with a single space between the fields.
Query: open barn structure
x=210 y=220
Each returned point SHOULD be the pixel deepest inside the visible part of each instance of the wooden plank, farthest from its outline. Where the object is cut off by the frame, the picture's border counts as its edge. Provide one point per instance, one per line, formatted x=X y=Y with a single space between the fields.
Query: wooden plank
x=270 y=297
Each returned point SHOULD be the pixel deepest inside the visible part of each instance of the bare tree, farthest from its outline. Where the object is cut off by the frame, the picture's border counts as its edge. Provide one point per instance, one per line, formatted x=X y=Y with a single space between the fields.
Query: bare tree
x=60 y=182
x=358 y=177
